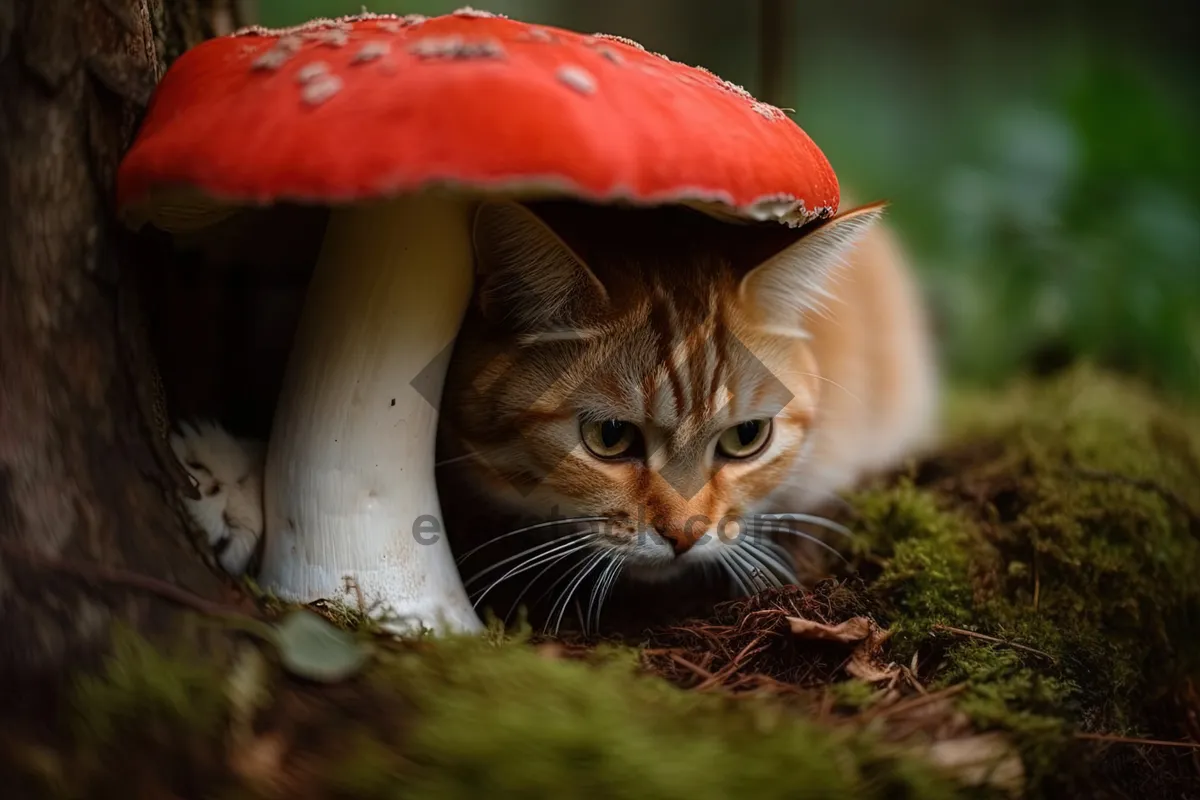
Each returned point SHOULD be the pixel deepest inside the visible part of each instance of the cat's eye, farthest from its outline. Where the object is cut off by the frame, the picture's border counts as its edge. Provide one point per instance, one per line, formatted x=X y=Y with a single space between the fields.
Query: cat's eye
x=612 y=438
x=745 y=439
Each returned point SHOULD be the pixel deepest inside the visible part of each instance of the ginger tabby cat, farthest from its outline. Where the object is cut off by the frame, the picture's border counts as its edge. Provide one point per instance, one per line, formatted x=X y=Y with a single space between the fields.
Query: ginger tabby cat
x=673 y=384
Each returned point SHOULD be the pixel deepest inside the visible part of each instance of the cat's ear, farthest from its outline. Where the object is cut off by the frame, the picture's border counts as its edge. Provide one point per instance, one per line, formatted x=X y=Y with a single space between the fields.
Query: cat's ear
x=792 y=282
x=529 y=277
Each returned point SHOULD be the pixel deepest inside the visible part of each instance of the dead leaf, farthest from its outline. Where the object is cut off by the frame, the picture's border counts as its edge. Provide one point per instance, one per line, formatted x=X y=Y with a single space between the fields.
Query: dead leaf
x=866 y=667
x=986 y=759
x=260 y=760
x=852 y=630
x=551 y=650
x=865 y=662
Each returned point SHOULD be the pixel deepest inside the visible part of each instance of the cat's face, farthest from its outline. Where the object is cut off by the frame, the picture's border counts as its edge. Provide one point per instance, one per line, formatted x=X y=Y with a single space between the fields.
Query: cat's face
x=651 y=377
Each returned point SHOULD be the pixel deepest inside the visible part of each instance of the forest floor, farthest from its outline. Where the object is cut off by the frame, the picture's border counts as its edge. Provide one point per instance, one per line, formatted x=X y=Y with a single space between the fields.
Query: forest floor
x=1020 y=616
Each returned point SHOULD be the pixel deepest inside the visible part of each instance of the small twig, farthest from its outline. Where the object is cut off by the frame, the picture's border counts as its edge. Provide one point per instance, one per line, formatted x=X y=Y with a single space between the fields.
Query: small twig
x=747 y=650
x=723 y=674
x=1104 y=737
x=689 y=666
x=96 y=573
x=912 y=680
x=994 y=640
x=917 y=702
x=1037 y=584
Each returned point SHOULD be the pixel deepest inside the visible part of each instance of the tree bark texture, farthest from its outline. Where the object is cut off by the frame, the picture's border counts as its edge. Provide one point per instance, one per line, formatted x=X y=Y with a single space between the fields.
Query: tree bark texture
x=85 y=475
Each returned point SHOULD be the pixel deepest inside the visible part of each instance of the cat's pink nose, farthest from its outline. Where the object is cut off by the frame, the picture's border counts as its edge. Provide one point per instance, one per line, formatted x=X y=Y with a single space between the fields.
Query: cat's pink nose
x=675 y=536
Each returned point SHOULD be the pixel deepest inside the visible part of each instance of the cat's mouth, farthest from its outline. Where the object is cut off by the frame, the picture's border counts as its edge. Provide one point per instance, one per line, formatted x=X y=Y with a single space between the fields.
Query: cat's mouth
x=602 y=550
x=752 y=562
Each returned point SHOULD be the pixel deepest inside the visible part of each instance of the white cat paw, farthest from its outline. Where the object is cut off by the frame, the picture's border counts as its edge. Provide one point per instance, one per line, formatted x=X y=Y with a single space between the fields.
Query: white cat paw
x=227 y=472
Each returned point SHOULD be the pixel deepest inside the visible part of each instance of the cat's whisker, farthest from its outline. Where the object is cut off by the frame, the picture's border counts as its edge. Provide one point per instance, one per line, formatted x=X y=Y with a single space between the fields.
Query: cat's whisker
x=526 y=529
x=754 y=569
x=529 y=551
x=731 y=568
x=472 y=452
x=772 y=546
x=802 y=483
x=835 y=384
x=806 y=536
x=586 y=620
x=787 y=332
x=565 y=597
x=601 y=590
x=764 y=567
x=517 y=602
x=532 y=563
x=603 y=556
x=565 y=575
x=608 y=589
x=561 y=335
x=790 y=556
x=552 y=560
x=811 y=519
x=769 y=559
x=445 y=462
x=534 y=554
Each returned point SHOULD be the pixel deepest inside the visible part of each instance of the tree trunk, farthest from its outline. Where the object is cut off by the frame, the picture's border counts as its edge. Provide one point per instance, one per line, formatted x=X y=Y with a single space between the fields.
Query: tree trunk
x=85 y=476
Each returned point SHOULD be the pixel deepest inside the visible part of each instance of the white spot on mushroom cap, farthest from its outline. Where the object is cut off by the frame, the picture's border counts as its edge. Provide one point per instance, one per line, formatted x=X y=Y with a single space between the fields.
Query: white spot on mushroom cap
x=278 y=55
x=456 y=47
x=577 y=78
x=610 y=54
x=272 y=59
x=536 y=35
x=334 y=33
x=320 y=89
x=334 y=38
x=371 y=51
x=310 y=72
x=395 y=23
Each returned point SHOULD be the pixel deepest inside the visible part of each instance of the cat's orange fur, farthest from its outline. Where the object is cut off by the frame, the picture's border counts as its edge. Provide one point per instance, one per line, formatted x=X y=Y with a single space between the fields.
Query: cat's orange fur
x=659 y=318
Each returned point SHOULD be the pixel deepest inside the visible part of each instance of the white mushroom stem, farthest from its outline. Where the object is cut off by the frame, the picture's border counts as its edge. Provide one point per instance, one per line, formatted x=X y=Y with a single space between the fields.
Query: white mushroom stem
x=352 y=510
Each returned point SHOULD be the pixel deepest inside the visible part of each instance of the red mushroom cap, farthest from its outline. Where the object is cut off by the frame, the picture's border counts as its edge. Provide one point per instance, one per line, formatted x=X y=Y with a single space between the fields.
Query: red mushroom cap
x=363 y=107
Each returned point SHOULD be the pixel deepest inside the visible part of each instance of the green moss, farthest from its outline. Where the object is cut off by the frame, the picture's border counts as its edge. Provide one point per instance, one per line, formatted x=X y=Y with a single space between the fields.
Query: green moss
x=368 y=769
x=1005 y=692
x=930 y=555
x=503 y=720
x=1043 y=562
x=1062 y=518
x=140 y=687
x=854 y=694
x=148 y=714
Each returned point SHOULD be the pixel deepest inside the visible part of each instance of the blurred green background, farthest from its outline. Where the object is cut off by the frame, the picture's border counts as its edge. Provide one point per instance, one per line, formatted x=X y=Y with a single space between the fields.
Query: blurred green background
x=1041 y=158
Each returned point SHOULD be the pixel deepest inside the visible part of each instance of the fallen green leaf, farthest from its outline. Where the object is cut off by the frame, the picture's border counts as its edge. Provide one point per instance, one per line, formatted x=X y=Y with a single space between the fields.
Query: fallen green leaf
x=311 y=647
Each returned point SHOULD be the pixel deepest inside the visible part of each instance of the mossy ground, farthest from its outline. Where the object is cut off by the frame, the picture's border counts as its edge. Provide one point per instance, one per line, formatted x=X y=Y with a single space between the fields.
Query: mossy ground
x=1039 y=574
x=1063 y=520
